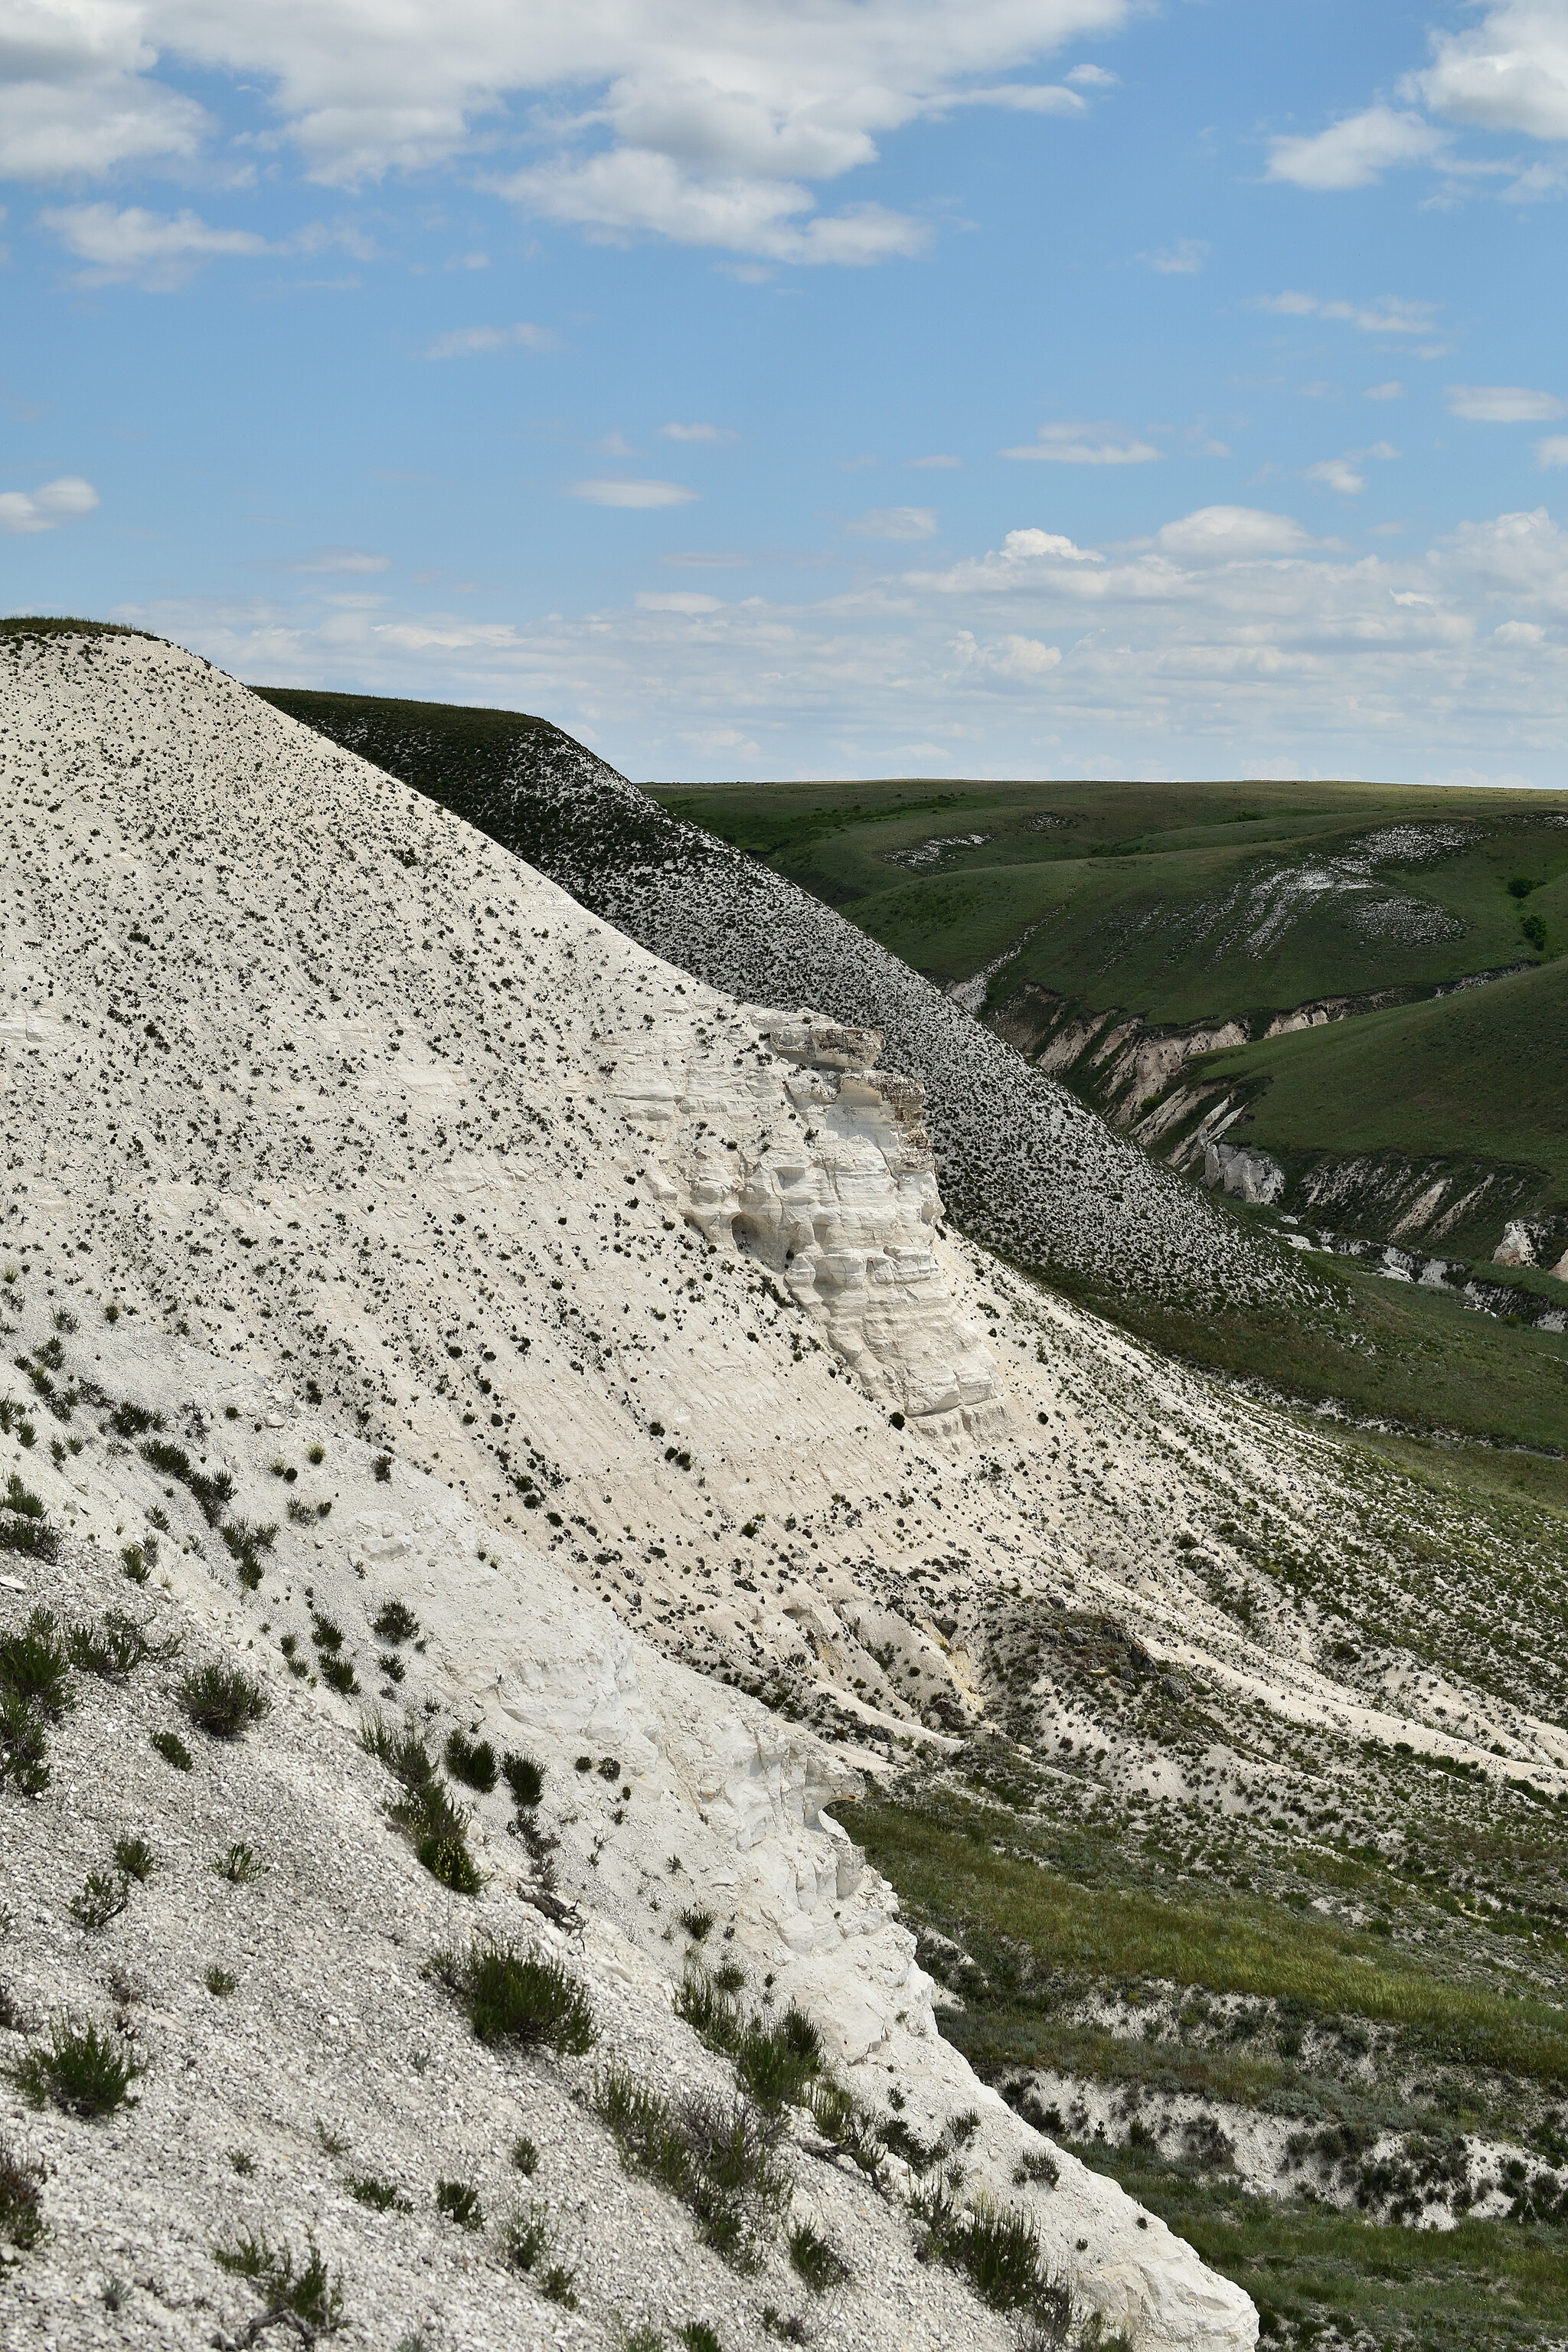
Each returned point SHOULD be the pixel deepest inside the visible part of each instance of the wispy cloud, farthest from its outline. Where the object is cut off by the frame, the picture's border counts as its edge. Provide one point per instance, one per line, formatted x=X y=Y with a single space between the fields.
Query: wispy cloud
x=895 y=523
x=1553 y=451
x=1503 y=403
x=1385 y=314
x=713 y=433
x=1356 y=151
x=1390 y=391
x=474 y=342
x=1183 y=260
x=23 y=512
x=349 y=559
x=133 y=247
x=626 y=492
x=1085 y=445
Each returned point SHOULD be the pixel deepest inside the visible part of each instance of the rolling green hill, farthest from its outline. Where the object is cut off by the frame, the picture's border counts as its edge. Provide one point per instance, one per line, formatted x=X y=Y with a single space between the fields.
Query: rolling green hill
x=1484 y=1072
x=1175 y=903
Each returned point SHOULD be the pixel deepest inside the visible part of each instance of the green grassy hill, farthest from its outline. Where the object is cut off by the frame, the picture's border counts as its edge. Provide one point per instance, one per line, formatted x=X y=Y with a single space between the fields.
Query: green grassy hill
x=1484 y=1073
x=1176 y=903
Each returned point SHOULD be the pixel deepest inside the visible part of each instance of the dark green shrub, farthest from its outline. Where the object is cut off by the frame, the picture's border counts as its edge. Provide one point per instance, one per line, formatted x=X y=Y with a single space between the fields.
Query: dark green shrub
x=24 y=1746
x=21 y=2197
x=815 y=2260
x=101 y=1899
x=24 y=1526
x=525 y=2155
x=450 y=1863
x=130 y=1421
x=118 y=1648
x=311 y=2294
x=213 y=1491
x=472 y=1761
x=173 y=1749
x=326 y=1634
x=697 y=1924
x=381 y=2196
x=719 y=2157
x=220 y=1981
x=223 y=1701
x=35 y=1666
x=85 y=2070
x=524 y=1777
x=339 y=1674
x=135 y=1858
x=136 y=1563
x=459 y=2201
x=697 y=2336
x=247 y=1540
x=1534 y=930
x=998 y=2249
x=520 y=1996
x=239 y=1865
x=394 y=1622
x=777 y=2063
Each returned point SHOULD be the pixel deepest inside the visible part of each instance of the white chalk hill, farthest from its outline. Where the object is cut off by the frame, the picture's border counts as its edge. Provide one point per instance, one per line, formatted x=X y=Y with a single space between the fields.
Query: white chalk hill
x=608 y=1326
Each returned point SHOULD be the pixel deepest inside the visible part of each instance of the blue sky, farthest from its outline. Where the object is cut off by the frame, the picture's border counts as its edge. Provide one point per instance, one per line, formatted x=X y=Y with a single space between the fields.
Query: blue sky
x=1056 y=387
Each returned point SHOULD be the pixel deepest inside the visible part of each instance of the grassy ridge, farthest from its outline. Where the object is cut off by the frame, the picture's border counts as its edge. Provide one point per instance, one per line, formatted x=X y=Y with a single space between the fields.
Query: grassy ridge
x=1484 y=1072
x=1125 y=881
x=1127 y=1936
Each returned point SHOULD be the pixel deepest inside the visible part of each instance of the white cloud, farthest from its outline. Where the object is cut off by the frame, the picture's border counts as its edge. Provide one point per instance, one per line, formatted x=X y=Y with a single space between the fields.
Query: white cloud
x=1230 y=534
x=473 y=343
x=1016 y=98
x=1385 y=314
x=1232 y=643
x=1338 y=474
x=23 y=512
x=626 y=492
x=1509 y=73
x=1354 y=152
x=935 y=461
x=1018 y=659
x=358 y=560
x=136 y=247
x=677 y=600
x=1392 y=390
x=1503 y=403
x=1553 y=451
x=1093 y=77
x=698 y=432
x=708 y=125
x=895 y=522
x=1084 y=445
x=74 y=96
x=631 y=192
x=1183 y=260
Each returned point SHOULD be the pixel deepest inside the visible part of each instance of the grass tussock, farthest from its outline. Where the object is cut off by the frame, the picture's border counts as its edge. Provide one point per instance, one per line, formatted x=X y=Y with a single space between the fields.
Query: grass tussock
x=83 y=2070
x=776 y=2059
x=21 y=2197
x=306 y=2290
x=522 y=1997
x=719 y=2157
x=223 y=1701
x=530 y=2243
x=997 y=2247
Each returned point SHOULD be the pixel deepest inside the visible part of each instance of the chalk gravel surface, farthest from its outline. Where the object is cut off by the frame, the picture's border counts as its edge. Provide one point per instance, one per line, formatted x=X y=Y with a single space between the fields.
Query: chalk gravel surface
x=339 y=1161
